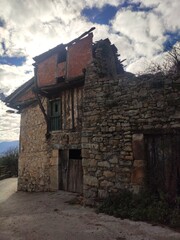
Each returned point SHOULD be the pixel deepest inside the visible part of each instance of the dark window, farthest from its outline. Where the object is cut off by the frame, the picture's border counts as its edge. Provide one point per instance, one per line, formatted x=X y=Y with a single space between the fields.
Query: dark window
x=61 y=66
x=55 y=115
x=75 y=154
x=62 y=56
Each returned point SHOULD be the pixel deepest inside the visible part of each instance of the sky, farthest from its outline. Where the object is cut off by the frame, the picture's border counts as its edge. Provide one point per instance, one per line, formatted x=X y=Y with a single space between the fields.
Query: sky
x=141 y=30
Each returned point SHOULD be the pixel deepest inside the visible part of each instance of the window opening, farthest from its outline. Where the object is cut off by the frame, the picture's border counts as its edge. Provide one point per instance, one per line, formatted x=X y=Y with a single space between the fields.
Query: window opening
x=75 y=154
x=62 y=56
x=55 y=115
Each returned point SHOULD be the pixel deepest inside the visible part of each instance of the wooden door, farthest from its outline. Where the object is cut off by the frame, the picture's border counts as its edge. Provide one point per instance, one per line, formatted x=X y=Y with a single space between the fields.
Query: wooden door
x=63 y=168
x=163 y=163
x=70 y=171
x=75 y=176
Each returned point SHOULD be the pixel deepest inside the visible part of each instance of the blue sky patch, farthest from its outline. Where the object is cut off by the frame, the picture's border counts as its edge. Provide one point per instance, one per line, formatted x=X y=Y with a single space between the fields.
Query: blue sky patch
x=28 y=71
x=108 y=12
x=3 y=46
x=100 y=16
x=172 y=38
x=17 y=61
x=136 y=7
x=2 y=22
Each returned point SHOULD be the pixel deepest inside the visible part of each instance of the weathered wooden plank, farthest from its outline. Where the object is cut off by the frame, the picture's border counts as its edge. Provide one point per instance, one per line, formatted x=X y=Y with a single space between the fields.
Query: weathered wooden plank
x=63 y=170
x=163 y=163
x=75 y=175
x=72 y=108
x=62 y=112
x=75 y=107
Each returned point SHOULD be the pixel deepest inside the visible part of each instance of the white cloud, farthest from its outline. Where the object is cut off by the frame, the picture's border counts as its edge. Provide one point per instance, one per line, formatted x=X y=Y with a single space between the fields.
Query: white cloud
x=9 y=124
x=168 y=10
x=144 y=31
x=101 y=3
x=12 y=77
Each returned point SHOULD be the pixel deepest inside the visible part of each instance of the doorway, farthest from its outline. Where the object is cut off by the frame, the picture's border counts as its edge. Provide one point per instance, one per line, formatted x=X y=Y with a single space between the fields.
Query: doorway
x=163 y=163
x=70 y=170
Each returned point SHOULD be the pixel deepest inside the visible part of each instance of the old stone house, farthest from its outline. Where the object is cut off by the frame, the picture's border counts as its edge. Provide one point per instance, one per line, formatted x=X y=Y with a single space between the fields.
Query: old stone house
x=87 y=126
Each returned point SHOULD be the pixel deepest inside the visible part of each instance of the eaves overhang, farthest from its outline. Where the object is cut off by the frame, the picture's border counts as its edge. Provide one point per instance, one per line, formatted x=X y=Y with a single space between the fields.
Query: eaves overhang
x=11 y=101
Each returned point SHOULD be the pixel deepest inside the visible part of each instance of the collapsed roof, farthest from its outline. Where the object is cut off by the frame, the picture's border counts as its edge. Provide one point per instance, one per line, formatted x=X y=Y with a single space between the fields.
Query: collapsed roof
x=64 y=66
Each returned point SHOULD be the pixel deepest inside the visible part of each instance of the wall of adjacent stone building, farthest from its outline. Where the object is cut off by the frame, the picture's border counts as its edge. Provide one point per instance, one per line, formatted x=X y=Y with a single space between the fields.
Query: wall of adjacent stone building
x=34 y=151
x=116 y=115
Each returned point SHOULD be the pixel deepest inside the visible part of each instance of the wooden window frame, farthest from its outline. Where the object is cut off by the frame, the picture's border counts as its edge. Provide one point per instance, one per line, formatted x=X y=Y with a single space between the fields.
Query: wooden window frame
x=55 y=119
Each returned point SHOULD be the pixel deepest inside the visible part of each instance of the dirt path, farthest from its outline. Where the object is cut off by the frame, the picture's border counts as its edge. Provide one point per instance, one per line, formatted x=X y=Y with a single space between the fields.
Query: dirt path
x=46 y=216
x=7 y=188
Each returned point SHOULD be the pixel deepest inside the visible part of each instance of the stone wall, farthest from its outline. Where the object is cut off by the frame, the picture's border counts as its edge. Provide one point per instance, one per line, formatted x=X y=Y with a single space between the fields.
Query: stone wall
x=34 y=151
x=39 y=156
x=117 y=114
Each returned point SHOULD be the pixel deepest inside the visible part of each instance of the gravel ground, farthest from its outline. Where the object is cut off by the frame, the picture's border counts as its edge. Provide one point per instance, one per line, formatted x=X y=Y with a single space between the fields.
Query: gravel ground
x=48 y=216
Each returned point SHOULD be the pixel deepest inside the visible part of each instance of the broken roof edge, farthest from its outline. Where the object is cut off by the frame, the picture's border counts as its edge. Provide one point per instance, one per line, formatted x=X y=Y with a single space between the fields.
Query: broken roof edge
x=60 y=47
x=19 y=91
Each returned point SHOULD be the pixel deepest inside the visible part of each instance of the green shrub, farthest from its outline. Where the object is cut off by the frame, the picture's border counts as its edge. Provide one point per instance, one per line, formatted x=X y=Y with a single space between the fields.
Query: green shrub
x=144 y=206
x=10 y=161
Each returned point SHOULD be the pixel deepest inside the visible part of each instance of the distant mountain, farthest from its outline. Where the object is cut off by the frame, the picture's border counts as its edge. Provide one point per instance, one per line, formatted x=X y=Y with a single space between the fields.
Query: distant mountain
x=5 y=146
